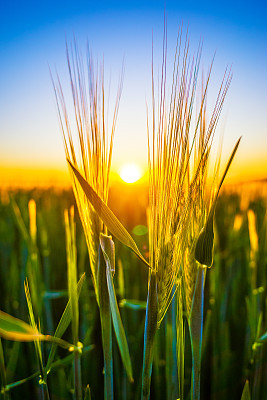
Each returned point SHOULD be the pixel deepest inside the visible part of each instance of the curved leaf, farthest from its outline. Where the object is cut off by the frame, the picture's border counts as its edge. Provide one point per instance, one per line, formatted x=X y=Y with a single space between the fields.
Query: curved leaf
x=104 y=212
x=107 y=246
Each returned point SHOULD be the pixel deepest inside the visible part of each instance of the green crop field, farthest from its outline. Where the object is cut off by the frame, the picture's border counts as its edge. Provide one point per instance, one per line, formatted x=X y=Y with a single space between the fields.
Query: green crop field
x=233 y=349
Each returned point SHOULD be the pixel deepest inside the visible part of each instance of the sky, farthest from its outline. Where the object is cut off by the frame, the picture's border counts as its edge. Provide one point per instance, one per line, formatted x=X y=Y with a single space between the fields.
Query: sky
x=33 y=40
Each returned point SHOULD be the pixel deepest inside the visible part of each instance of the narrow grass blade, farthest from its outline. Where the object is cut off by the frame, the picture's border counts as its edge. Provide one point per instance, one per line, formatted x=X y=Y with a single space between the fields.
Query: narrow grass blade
x=72 y=270
x=2 y=371
x=37 y=344
x=149 y=336
x=106 y=328
x=20 y=223
x=63 y=324
x=110 y=220
x=57 y=364
x=204 y=244
x=87 y=393
x=227 y=167
x=107 y=246
x=70 y=231
x=12 y=328
x=13 y=361
x=246 y=392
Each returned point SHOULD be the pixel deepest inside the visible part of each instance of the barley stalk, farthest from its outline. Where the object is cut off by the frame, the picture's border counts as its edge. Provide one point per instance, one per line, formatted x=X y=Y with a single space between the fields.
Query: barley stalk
x=178 y=159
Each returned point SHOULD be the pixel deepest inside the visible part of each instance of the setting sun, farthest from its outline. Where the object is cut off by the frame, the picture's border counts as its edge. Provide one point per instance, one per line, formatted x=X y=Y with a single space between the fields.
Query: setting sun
x=130 y=173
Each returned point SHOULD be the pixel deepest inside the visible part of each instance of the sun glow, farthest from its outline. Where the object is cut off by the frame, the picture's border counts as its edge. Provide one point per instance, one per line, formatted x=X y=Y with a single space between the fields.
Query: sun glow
x=130 y=173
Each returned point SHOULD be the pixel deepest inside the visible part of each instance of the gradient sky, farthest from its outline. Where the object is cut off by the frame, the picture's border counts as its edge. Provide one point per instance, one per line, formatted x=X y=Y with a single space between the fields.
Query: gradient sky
x=32 y=38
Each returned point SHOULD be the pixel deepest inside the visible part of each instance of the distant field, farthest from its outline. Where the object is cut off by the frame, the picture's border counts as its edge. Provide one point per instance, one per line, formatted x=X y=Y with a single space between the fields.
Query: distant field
x=235 y=314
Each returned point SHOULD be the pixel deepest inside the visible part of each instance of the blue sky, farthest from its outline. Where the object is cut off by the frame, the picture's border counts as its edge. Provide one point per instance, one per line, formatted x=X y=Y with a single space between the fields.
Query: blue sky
x=32 y=38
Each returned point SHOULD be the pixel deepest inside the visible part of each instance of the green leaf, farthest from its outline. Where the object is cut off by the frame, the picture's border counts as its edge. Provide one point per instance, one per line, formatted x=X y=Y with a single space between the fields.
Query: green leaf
x=63 y=324
x=109 y=219
x=227 y=167
x=13 y=361
x=108 y=249
x=12 y=328
x=263 y=338
x=2 y=368
x=55 y=294
x=72 y=270
x=87 y=393
x=133 y=304
x=57 y=364
x=20 y=223
x=196 y=330
x=246 y=393
x=140 y=230
x=204 y=244
x=106 y=325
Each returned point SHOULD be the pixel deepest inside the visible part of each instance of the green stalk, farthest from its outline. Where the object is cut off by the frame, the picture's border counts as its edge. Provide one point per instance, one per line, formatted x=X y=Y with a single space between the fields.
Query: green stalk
x=77 y=375
x=3 y=373
x=171 y=371
x=106 y=328
x=70 y=230
x=196 y=328
x=149 y=336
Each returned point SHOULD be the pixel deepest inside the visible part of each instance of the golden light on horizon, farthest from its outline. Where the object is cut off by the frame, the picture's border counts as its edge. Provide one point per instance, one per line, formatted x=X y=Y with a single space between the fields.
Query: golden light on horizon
x=130 y=173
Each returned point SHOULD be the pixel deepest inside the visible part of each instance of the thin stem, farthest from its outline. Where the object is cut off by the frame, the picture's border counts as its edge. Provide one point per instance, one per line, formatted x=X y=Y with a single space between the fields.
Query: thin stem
x=196 y=328
x=77 y=376
x=149 y=336
x=105 y=317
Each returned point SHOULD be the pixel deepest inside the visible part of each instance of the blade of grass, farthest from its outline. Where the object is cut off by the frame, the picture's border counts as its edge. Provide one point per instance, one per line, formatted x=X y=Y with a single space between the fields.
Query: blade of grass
x=204 y=244
x=108 y=249
x=106 y=328
x=3 y=372
x=73 y=296
x=13 y=361
x=87 y=393
x=246 y=392
x=12 y=328
x=64 y=322
x=55 y=365
x=37 y=343
x=110 y=220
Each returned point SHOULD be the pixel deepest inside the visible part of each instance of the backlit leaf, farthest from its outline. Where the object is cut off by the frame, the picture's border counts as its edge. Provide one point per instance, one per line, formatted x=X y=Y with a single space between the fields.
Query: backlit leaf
x=110 y=220
x=107 y=246
x=204 y=244
x=63 y=323
x=246 y=393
